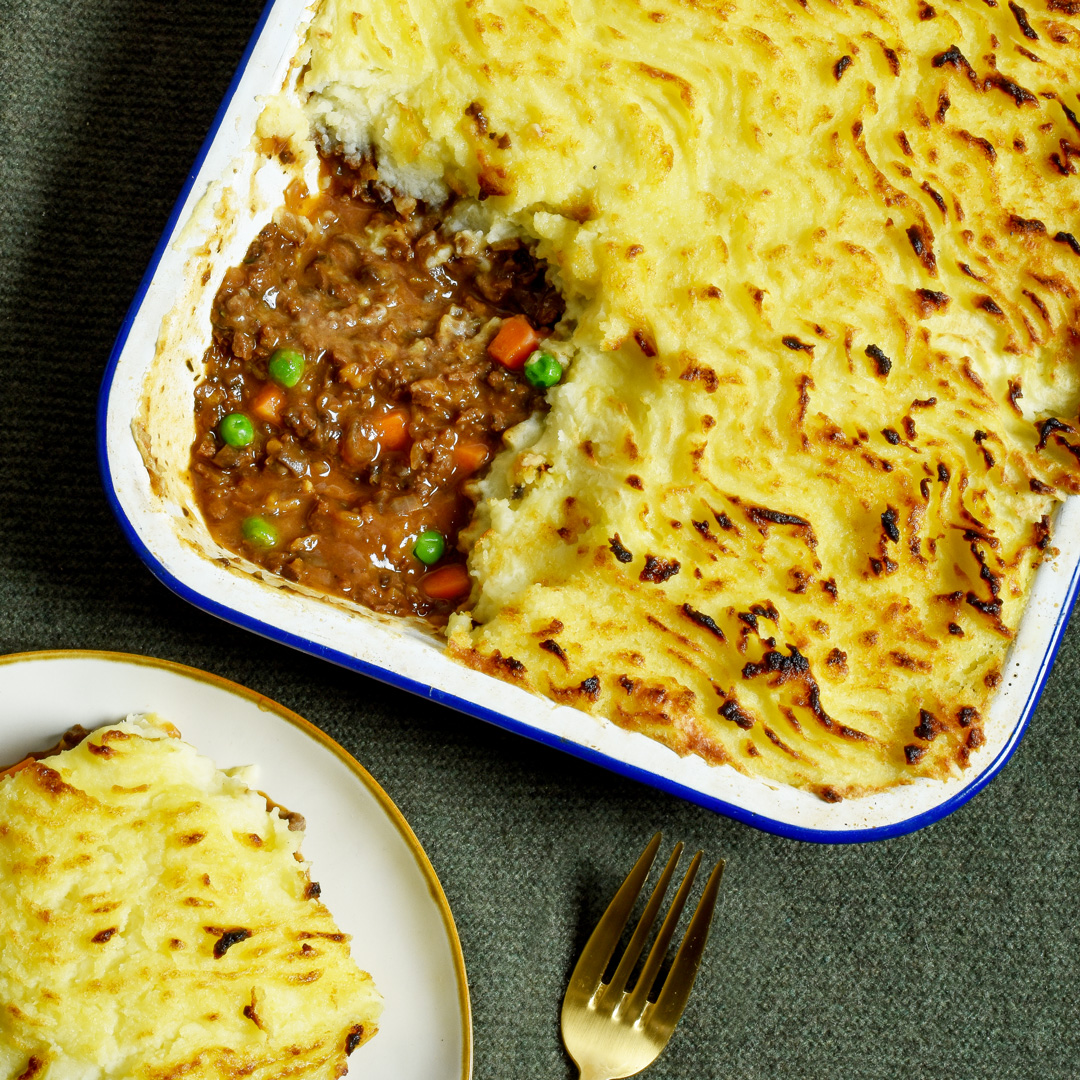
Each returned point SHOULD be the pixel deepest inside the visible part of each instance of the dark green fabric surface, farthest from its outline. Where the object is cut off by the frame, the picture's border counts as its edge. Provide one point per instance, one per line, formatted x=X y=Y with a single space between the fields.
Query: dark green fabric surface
x=952 y=953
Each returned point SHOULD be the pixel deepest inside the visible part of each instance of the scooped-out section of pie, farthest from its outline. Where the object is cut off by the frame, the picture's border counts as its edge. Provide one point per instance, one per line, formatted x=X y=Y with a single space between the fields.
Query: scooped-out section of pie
x=817 y=332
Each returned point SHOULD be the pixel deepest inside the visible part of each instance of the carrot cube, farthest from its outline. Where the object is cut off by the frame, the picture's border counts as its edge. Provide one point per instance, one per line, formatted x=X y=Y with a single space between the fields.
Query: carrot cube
x=468 y=457
x=392 y=429
x=514 y=343
x=449 y=582
x=269 y=403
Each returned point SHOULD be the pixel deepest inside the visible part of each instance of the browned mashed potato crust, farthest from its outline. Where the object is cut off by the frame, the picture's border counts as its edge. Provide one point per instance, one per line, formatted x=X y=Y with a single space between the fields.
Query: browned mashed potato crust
x=820 y=272
x=158 y=922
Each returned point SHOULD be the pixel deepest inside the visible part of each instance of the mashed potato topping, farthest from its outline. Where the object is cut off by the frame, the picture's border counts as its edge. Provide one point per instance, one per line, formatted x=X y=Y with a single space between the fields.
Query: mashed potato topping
x=820 y=277
x=157 y=924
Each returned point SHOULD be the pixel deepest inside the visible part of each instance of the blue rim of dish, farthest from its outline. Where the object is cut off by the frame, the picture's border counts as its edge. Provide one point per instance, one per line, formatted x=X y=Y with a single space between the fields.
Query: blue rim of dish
x=472 y=708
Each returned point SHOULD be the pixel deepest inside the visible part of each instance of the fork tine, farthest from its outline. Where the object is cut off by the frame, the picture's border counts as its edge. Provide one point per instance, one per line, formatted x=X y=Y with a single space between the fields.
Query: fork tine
x=680 y=979
x=598 y=950
x=663 y=939
x=641 y=931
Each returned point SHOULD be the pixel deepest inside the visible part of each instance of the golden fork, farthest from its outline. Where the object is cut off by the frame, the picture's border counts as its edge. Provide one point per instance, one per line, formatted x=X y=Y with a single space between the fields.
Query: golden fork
x=612 y=1032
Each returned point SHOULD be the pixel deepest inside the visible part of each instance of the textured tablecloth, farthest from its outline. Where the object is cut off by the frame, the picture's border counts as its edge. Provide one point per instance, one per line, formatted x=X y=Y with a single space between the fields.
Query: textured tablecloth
x=953 y=953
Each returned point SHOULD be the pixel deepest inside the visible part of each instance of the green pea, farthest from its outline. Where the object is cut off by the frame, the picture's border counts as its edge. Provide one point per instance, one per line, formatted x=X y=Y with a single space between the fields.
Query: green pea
x=259 y=532
x=542 y=369
x=286 y=366
x=429 y=547
x=237 y=430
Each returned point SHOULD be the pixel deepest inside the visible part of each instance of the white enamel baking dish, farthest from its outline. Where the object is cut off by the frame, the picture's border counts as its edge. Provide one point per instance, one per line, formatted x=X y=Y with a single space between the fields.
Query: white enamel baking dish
x=230 y=193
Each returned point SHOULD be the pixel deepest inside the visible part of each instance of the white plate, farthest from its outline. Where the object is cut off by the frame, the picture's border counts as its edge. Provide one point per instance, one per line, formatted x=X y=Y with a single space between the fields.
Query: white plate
x=375 y=877
x=232 y=191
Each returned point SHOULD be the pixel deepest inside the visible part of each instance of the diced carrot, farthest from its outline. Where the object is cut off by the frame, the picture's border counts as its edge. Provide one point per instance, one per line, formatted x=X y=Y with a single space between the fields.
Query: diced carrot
x=269 y=403
x=392 y=429
x=468 y=457
x=514 y=342
x=447 y=583
x=11 y=770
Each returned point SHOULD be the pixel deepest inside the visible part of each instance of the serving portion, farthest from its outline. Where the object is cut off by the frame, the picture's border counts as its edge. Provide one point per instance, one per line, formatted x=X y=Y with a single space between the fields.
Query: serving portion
x=388 y=907
x=170 y=928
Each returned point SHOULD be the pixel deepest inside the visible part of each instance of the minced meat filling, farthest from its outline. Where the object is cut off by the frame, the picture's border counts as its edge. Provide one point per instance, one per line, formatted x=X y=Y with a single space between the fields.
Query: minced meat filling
x=392 y=402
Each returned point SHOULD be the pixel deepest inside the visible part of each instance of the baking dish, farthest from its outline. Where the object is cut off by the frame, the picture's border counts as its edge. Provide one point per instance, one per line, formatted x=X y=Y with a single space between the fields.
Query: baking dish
x=145 y=422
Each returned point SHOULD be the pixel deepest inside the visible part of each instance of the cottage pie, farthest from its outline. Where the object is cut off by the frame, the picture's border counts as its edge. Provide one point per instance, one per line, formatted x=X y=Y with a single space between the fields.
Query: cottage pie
x=815 y=389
